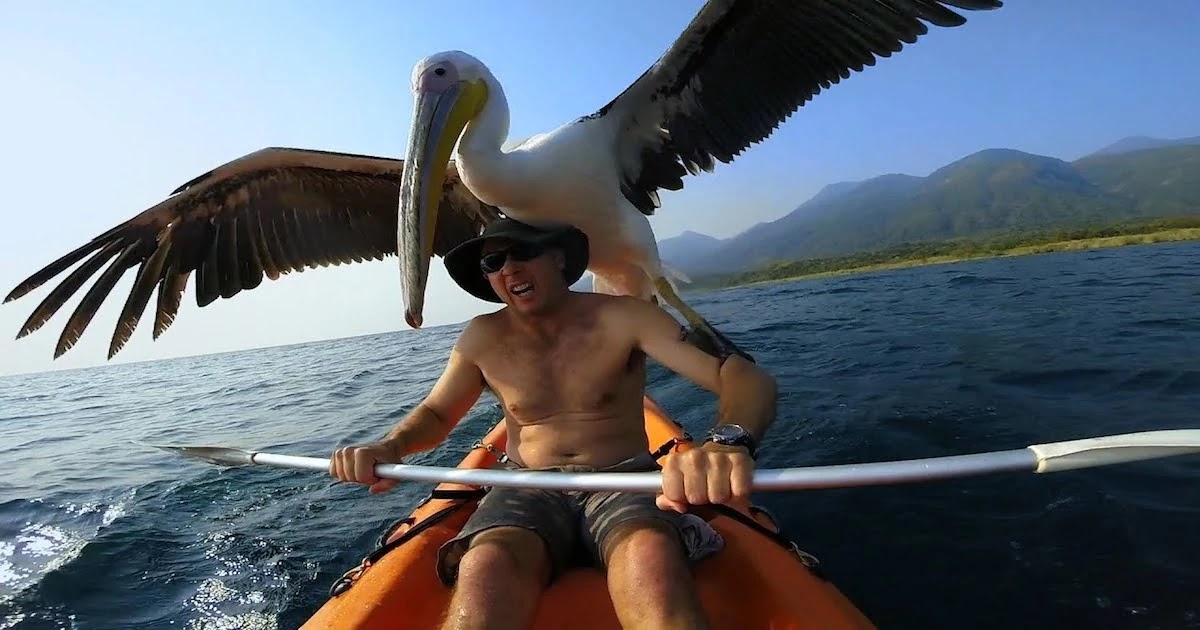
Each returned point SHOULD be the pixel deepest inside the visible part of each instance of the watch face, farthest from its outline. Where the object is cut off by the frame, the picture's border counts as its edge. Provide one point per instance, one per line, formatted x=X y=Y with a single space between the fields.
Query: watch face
x=733 y=435
x=728 y=432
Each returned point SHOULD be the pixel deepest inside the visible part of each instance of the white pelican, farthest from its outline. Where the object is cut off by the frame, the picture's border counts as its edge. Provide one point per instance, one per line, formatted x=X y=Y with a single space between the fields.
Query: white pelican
x=739 y=69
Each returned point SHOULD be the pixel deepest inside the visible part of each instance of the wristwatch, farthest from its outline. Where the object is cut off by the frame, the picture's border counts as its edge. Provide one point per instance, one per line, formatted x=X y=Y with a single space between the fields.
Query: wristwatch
x=733 y=435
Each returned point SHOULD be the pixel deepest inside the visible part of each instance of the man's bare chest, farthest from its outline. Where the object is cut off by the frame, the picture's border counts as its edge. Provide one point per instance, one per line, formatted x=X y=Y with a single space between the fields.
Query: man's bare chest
x=583 y=374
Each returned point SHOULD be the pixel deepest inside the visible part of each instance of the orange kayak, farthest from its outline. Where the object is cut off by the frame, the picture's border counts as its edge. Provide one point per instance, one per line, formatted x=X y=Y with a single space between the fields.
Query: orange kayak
x=759 y=580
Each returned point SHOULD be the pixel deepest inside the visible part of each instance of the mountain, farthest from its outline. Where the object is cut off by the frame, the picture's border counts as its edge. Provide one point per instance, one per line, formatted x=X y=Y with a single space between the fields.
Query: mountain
x=1141 y=143
x=1155 y=182
x=688 y=249
x=832 y=191
x=989 y=192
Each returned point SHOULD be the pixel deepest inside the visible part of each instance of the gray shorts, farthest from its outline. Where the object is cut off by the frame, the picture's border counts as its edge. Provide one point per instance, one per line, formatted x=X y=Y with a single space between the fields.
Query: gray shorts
x=574 y=524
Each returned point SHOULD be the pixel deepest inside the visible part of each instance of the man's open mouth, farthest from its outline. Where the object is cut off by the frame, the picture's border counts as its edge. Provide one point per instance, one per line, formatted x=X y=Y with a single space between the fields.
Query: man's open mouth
x=521 y=288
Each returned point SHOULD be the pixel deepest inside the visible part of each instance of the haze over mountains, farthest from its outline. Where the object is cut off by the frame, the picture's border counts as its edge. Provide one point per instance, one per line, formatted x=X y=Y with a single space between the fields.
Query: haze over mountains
x=988 y=192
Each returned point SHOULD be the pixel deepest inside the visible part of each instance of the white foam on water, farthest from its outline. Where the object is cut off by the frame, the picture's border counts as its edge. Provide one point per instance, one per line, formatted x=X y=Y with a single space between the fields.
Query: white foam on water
x=238 y=595
x=39 y=548
x=8 y=573
x=213 y=595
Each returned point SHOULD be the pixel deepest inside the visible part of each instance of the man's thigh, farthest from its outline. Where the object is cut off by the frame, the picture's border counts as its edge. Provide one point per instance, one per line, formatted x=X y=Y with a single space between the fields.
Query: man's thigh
x=609 y=513
x=550 y=515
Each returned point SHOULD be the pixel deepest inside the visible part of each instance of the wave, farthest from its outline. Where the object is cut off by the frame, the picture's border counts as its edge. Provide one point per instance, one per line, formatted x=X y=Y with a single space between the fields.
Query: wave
x=1063 y=380
x=970 y=280
x=38 y=537
x=1168 y=323
x=839 y=291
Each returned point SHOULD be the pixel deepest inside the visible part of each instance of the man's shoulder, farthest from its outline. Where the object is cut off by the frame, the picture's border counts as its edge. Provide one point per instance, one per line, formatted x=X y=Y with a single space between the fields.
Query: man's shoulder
x=477 y=329
x=631 y=308
x=620 y=303
x=625 y=313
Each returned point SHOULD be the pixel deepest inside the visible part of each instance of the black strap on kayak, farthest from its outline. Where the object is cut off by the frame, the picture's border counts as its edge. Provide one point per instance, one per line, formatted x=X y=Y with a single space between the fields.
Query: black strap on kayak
x=435 y=494
x=343 y=584
x=807 y=559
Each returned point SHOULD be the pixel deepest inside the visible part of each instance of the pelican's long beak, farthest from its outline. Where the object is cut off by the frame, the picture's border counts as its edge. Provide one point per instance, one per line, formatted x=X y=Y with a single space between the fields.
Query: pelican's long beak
x=439 y=116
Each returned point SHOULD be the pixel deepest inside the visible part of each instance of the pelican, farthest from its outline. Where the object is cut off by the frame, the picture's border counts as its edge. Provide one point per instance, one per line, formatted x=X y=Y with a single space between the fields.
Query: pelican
x=739 y=70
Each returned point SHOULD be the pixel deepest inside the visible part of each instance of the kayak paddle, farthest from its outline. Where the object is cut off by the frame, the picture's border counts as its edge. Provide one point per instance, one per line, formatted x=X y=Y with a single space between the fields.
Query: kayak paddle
x=1038 y=458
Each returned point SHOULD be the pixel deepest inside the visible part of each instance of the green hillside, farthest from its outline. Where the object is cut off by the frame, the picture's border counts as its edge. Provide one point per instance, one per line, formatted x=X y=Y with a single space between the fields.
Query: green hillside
x=1158 y=181
x=992 y=194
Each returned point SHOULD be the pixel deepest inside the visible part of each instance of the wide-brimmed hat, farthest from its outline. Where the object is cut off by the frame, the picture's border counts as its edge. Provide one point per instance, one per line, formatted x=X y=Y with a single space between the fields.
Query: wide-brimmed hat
x=463 y=261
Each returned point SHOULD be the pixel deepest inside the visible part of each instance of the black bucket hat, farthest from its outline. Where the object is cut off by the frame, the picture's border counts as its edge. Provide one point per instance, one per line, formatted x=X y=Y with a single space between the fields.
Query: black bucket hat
x=463 y=261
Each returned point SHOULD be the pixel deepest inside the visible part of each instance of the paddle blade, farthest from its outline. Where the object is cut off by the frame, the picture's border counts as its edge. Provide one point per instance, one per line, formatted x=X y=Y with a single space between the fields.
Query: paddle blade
x=219 y=455
x=1115 y=449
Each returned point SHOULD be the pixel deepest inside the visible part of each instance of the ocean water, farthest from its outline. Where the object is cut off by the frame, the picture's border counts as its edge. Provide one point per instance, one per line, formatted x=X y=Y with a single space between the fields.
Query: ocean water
x=99 y=532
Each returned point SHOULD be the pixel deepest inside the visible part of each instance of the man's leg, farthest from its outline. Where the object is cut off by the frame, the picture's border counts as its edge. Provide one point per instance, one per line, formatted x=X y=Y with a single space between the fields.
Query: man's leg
x=647 y=553
x=500 y=579
x=649 y=579
x=507 y=552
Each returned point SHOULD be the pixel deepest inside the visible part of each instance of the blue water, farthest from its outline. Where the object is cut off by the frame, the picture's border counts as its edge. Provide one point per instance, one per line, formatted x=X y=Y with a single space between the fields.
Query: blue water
x=97 y=532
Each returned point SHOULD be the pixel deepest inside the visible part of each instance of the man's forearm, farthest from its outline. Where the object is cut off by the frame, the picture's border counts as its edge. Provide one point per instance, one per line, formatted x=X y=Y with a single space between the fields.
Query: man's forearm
x=748 y=397
x=421 y=430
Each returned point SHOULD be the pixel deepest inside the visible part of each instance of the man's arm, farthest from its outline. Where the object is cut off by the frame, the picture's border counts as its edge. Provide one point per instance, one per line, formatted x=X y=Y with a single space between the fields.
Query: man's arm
x=712 y=473
x=456 y=391
x=746 y=393
x=426 y=426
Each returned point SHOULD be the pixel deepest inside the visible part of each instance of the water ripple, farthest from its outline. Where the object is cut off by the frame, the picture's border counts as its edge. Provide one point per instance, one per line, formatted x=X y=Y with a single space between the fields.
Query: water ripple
x=923 y=362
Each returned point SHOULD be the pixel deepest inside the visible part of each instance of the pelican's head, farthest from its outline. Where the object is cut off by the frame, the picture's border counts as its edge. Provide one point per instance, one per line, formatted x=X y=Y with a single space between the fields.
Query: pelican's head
x=449 y=89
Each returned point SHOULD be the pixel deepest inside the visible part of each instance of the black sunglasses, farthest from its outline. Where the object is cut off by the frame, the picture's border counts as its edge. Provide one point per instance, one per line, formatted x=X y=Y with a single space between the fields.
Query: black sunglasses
x=492 y=262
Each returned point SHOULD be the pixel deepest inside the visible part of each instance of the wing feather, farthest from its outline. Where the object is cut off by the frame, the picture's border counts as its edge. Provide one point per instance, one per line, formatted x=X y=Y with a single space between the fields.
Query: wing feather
x=266 y=214
x=741 y=68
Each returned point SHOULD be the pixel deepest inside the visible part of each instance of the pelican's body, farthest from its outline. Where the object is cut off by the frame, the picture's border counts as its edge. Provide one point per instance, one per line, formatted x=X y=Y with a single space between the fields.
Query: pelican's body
x=738 y=70
x=567 y=176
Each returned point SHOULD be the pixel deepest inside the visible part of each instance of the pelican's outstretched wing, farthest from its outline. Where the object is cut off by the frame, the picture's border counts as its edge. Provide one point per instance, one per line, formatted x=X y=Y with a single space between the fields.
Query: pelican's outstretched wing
x=268 y=213
x=741 y=67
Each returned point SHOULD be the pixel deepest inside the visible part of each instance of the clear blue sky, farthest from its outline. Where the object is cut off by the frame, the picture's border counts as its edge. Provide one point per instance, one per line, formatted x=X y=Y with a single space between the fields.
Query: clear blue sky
x=109 y=106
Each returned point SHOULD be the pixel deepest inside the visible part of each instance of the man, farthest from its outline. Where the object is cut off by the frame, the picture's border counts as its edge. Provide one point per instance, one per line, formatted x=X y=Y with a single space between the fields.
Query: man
x=569 y=371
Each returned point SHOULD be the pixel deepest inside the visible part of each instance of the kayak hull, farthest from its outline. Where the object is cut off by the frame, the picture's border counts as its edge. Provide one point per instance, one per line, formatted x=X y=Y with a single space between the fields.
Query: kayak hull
x=759 y=580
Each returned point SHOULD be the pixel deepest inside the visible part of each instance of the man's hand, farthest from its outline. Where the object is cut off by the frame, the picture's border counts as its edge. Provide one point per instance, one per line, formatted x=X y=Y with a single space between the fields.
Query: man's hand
x=710 y=473
x=357 y=464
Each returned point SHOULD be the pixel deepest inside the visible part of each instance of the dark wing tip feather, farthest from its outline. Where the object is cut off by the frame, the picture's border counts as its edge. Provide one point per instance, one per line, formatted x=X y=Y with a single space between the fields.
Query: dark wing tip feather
x=170 y=298
x=65 y=289
x=149 y=274
x=86 y=310
x=39 y=277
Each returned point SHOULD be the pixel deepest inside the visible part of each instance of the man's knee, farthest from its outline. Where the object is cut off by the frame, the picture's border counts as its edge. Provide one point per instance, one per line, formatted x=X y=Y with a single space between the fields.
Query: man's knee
x=648 y=576
x=505 y=553
x=653 y=541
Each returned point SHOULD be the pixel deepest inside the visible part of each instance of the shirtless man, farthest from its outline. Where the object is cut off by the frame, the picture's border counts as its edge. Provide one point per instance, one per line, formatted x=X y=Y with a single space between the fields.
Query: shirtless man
x=569 y=371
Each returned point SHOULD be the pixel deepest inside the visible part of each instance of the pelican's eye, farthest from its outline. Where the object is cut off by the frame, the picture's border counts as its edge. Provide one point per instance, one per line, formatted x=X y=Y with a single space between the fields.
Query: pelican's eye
x=440 y=72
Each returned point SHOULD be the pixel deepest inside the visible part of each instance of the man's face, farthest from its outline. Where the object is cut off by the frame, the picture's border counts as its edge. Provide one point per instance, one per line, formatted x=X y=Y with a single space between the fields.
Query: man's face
x=526 y=277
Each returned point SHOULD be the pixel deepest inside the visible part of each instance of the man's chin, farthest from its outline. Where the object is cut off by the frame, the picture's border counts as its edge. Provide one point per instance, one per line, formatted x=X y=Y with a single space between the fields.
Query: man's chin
x=527 y=306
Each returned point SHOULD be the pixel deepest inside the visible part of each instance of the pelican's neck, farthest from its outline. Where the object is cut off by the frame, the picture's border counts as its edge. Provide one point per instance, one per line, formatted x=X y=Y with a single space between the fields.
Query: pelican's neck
x=491 y=173
x=485 y=134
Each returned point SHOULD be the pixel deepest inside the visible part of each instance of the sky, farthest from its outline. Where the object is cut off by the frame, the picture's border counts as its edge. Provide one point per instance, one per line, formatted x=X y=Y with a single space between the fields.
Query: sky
x=110 y=106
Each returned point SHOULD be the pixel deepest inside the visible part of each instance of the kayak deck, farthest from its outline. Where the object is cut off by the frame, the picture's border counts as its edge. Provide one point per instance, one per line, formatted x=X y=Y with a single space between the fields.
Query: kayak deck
x=759 y=580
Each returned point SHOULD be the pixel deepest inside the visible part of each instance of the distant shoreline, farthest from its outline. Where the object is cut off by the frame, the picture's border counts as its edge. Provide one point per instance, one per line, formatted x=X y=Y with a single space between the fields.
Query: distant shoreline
x=1077 y=244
